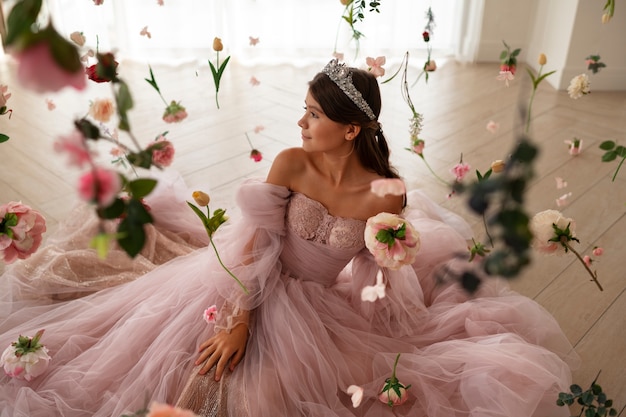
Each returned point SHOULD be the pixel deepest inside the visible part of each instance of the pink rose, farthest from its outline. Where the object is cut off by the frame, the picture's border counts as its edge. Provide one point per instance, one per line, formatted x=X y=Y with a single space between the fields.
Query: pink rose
x=26 y=358
x=210 y=314
x=587 y=260
x=38 y=71
x=392 y=399
x=102 y=110
x=256 y=155
x=21 y=230
x=541 y=228
x=75 y=146
x=597 y=251
x=393 y=186
x=460 y=170
x=165 y=410
x=162 y=152
x=392 y=240
x=100 y=186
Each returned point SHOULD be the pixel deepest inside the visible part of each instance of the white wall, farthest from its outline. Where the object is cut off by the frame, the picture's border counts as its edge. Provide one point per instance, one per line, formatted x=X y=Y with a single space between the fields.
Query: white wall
x=567 y=31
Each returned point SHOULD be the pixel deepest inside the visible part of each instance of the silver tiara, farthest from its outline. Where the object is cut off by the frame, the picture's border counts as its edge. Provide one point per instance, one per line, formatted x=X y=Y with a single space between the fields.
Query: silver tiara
x=341 y=75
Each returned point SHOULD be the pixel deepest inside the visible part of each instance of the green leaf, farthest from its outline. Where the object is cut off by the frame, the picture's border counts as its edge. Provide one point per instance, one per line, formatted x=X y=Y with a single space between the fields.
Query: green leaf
x=503 y=55
x=141 y=159
x=124 y=102
x=137 y=212
x=590 y=412
x=113 y=211
x=587 y=398
x=64 y=53
x=152 y=81
x=22 y=17
x=223 y=67
x=609 y=156
x=544 y=76
x=607 y=145
x=88 y=129
x=516 y=52
x=621 y=151
x=131 y=237
x=3 y=138
x=142 y=187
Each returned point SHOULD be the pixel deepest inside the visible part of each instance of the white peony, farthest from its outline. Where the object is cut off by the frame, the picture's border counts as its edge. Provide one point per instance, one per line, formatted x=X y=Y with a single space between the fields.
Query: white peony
x=579 y=86
x=27 y=366
x=541 y=227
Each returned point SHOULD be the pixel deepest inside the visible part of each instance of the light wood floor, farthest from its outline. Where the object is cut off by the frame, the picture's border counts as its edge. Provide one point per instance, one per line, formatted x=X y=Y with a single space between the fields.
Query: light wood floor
x=458 y=101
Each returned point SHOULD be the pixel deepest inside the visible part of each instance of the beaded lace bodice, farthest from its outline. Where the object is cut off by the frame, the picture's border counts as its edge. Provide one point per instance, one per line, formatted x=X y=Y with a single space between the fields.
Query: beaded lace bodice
x=310 y=220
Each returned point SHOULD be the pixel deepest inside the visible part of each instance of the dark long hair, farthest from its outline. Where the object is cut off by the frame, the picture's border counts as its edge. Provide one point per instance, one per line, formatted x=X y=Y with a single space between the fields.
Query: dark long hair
x=370 y=145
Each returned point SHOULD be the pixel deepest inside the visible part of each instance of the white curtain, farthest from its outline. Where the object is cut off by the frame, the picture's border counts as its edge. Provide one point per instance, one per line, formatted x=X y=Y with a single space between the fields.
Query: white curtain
x=294 y=31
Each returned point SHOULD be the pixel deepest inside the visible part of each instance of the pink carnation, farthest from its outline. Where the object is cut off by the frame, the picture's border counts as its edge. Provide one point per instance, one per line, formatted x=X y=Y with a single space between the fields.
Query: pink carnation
x=75 y=146
x=392 y=240
x=162 y=152
x=38 y=71
x=460 y=170
x=100 y=187
x=21 y=237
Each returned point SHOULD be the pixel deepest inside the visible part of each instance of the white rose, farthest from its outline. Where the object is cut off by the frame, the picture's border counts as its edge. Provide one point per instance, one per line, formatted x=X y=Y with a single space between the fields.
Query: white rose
x=541 y=227
x=27 y=366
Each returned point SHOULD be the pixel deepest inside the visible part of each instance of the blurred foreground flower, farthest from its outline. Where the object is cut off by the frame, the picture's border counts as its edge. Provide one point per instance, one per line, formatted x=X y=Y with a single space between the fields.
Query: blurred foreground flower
x=393 y=186
x=553 y=234
x=25 y=359
x=21 y=230
x=211 y=224
x=394 y=393
x=392 y=240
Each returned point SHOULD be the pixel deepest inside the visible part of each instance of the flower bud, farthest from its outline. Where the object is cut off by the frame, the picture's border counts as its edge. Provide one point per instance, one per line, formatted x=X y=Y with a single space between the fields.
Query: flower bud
x=606 y=18
x=346 y=2
x=202 y=199
x=542 y=59
x=497 y=166
x=217 y=45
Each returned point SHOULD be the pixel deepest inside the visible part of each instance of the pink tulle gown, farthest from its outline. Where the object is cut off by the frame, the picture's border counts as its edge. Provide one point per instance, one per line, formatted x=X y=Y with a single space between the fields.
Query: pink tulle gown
x=119 y=348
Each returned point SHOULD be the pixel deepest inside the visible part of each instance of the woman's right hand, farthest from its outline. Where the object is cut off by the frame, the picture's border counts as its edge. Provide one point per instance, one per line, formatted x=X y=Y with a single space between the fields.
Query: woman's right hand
x=222 y=348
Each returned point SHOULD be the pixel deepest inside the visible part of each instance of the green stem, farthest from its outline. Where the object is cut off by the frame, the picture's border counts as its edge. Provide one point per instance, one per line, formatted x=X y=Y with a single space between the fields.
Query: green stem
x=594 y=276
x=433 y=172
x=618 y=168
x=487 y=230
x=225 y=268
x=530 y=105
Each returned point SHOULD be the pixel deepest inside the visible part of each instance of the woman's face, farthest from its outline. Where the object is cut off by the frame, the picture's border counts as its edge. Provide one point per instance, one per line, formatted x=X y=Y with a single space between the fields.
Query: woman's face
x=319 y=133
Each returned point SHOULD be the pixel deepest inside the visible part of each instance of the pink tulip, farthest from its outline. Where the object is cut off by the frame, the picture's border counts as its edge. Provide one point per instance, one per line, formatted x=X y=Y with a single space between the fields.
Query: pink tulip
x=38 y=71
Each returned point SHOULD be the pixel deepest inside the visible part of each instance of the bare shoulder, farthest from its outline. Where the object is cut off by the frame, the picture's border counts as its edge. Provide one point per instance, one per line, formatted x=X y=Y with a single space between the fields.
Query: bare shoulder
x=388 y=204
x=288 y=165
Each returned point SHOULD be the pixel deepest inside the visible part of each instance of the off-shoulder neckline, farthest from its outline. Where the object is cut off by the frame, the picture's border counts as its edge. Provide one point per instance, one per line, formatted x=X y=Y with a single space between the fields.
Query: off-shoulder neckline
x=325 y=209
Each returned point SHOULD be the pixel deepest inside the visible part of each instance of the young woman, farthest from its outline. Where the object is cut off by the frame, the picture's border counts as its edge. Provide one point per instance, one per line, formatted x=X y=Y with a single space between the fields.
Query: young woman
x=301 y=334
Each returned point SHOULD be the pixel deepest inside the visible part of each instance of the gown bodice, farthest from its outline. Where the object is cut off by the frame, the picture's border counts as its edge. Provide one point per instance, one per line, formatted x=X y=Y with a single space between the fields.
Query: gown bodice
x=318 y=245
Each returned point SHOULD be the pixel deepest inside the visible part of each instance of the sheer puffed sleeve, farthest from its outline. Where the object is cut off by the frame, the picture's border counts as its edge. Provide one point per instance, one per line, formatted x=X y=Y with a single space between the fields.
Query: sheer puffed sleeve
x=250 y=247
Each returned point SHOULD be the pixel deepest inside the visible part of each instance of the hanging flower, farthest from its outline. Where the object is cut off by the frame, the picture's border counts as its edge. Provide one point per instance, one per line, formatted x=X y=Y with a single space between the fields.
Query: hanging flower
x=384 y=186
x=25 y=359
x=430 y=65
x=253 y=41
x=392 y=240
x=593 y=63
x=162 y=151
x=375 y=65
x=102 y=110
x=201 y=198
x=460 y=170
x=21 y=230
x=506 y=76
x=105 y=70
x=357 y=395
x=394 y=393
x=174 y=113
x=508 y=60
x=579 y=86
x=218 y=69
x=498 y=166
x=256 y=155
x=210 y=314
x=418 y=146
x=78 y=38
x=99 y=186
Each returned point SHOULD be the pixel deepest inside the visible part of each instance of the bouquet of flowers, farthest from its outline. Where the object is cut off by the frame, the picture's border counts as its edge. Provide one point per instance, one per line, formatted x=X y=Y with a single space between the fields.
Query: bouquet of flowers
x=392 y=240
x=21 y=230
x=26 y=358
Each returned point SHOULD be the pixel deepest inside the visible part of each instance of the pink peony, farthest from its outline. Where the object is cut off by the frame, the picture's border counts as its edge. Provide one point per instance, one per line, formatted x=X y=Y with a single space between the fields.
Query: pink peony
x=21 y=230
x=25 y=359
x=38 y=71
x=460 y=170
x=392 y=240
x=393 y=186
x=75 y=146
x=100 y=186
x=102 y=110
x=165 y=410
x=210 y=314
x=162 y=152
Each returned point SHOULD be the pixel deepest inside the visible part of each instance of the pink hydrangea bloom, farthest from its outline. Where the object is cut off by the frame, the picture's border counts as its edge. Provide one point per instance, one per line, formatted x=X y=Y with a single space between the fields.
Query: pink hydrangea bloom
x=75 y=146
x=25 y=237
x=162 y=152
x=375 y=65
x=210 y=314
x=393 y=186
x=38 y=71
x=460 y=170
x=107 y=183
